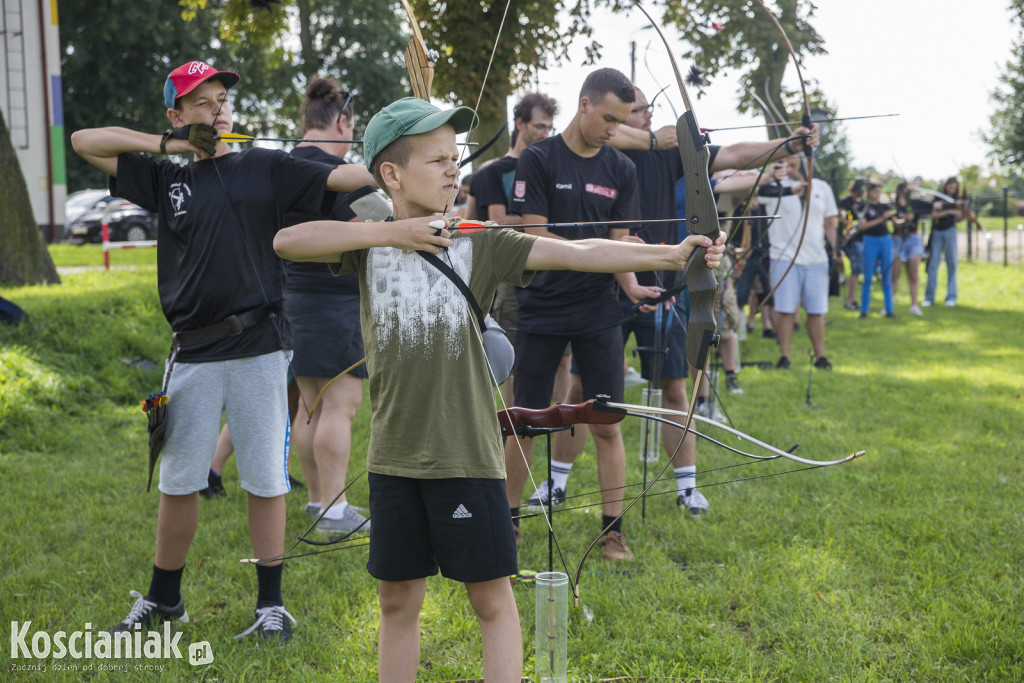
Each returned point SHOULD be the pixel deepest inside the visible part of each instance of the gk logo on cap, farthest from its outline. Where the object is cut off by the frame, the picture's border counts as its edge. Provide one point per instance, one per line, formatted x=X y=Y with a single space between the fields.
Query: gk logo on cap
x=197 y=68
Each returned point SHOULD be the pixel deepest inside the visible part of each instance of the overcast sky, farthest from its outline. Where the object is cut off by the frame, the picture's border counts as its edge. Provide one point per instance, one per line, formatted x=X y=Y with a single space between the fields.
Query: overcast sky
x=934 y=62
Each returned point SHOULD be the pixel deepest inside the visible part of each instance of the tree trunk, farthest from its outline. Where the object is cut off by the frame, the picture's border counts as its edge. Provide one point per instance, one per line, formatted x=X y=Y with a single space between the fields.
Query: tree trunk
x=24 y=259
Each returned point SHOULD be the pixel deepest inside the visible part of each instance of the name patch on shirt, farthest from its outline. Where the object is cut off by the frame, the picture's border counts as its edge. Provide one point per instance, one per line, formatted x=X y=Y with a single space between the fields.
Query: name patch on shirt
x=609 y=192
x=520 y=190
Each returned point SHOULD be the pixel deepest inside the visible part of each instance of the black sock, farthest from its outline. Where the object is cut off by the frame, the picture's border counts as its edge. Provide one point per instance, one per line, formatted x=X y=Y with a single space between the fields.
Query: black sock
x=701 y=400
x=165 y=586
x=213 y=476
x=609 y=519
x=269 y=580
x=730 y=373
x=515 y=517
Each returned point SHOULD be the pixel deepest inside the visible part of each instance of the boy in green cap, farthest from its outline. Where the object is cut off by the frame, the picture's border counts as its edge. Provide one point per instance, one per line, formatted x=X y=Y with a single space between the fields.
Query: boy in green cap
x=435 y=460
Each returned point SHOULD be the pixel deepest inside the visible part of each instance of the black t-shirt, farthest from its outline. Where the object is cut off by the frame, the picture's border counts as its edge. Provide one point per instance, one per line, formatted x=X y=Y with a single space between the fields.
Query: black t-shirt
x=656 y=173
x=944 y=222
x=216 y=255
x=909 y=226
x=492 y=184
x=873 y=212
x=308 y=276
x=555 y=182
x=851 y=206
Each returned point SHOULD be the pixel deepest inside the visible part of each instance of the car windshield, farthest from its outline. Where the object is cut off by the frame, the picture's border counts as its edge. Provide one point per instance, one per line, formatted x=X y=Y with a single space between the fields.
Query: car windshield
x=83 y=200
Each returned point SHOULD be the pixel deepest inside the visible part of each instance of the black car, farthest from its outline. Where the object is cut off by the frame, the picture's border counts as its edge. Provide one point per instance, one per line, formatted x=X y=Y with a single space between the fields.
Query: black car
x=128 y=222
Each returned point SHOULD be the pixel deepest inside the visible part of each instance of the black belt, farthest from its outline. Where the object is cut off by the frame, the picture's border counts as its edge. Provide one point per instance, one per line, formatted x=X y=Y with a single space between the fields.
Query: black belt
x=228 y=327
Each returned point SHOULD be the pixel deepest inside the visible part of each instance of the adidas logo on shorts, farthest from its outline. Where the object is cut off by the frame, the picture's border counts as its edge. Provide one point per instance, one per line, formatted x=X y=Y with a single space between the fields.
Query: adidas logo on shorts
x=461 y=512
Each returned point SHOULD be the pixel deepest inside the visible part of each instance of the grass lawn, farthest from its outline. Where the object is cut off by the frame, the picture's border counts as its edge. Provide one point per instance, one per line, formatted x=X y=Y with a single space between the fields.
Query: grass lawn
x=907 y=564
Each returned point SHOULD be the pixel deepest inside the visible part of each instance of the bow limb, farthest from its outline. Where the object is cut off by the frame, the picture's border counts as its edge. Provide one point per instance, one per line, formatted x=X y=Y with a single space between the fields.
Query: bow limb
x=417 y=59
x=701 y=219
x=805 y=121
x=735 y=432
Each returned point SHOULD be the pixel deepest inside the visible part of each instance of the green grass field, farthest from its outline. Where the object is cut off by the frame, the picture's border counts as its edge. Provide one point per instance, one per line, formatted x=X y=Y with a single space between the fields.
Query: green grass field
x=904 y=565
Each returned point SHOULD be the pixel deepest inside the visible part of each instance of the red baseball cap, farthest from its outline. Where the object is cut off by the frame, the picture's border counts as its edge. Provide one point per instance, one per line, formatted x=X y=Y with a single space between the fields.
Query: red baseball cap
x=188 y=76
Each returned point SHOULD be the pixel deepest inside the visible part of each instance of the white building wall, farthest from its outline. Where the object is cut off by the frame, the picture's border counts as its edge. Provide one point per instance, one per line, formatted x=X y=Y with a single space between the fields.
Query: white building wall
x=30 y=99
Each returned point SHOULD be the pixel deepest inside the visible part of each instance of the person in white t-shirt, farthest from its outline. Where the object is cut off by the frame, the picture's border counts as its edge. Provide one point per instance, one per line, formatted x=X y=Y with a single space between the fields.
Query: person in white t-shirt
x=807 y=281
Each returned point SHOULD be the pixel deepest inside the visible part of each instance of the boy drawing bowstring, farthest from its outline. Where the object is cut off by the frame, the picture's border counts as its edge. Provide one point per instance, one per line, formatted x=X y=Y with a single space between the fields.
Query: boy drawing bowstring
x=437 y=494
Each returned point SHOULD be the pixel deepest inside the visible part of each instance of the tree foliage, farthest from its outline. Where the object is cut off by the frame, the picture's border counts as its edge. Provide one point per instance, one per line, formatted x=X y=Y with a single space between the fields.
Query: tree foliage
x=464 y=33
x=1007 y=134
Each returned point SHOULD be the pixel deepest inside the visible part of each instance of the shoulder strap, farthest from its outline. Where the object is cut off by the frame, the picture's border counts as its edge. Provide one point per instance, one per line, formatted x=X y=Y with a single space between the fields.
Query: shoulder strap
x=459 y=282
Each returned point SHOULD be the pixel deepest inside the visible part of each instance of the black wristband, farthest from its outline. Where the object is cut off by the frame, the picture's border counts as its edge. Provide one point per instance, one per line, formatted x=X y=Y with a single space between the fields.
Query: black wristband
x=654 y=140
x=788 y=148
x=163 y=141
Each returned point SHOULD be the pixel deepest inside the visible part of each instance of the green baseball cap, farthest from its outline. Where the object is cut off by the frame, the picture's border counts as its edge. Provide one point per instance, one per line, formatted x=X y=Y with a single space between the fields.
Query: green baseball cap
x=411 y=116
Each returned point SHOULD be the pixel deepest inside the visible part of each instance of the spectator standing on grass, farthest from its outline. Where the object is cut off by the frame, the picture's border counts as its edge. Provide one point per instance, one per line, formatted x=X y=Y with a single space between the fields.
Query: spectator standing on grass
x=807 y=281
x=877 y=248
x=217 y=216
x=851 y=208
x=942 y=244
x=323 y=312
x=907 y=247
x=437 y=496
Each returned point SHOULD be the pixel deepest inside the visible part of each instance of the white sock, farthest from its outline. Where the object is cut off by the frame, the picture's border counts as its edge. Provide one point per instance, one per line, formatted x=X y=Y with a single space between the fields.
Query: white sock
x=686 y=478
x=337 y=511
x=560 y=474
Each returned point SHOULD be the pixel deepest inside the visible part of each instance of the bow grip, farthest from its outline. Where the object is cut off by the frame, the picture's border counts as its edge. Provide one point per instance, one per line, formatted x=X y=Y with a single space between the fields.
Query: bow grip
x=805 y=121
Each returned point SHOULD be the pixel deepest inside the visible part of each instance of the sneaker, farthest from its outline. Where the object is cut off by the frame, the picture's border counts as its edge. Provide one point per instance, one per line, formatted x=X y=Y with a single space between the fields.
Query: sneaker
x=539 y=499
x=733 y=384
x=693 y=501
x=614 y=548
x=823 y=363
x=271 y=625
x=951 y=304
x=783 y=363
x=768 y=334
x=850 y=305
x=710 y=411
x=312 y=511
x=214 y=487
x=890 y=314
x=926 y=303
x=634 y=378
x=863 y=315
x=351 y=521
x=150 y=613
x=915 y=310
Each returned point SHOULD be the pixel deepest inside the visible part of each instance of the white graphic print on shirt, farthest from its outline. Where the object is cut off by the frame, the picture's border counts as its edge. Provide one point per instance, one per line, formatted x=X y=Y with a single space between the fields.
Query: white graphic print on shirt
x=414 y=304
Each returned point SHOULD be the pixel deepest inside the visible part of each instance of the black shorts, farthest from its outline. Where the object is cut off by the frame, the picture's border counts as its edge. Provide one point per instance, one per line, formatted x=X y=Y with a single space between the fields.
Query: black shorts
x=673 y=325
x=463 y=526
x=326 y=337
x=597 y=356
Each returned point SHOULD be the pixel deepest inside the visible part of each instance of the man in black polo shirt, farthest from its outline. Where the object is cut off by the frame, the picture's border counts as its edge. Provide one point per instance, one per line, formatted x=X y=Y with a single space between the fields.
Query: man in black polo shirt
x=572 y=177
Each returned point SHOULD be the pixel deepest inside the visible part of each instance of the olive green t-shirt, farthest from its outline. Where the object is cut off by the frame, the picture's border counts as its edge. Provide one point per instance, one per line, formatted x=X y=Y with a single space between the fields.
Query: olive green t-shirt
x=433 y=410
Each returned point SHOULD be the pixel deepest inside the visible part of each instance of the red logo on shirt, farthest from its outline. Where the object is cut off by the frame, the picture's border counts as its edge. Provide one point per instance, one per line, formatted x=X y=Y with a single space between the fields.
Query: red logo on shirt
x=610 y=193
x=520 y=190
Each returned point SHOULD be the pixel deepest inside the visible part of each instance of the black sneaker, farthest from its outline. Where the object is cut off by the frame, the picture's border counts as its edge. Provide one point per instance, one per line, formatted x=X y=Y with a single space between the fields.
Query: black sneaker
x=733 y=384
x=863 y=315
x=823 y=363
x=768 y=334
x=214 y=486
x=783 y=363
x=850 y=305
x=150 y=613
x=271 y=625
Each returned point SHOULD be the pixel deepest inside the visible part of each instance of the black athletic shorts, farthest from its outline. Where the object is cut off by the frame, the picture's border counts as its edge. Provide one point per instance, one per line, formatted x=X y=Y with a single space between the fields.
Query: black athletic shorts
x=462 y=526
x=597 y=357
